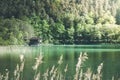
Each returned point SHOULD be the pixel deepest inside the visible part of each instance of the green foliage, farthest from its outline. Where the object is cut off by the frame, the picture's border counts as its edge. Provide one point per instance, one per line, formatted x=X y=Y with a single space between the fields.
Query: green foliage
x=107 y=18
x=69 y=35
x=111 y=33
x=45 y=31
x=57 y=32
x=59 y=21
x=13 y=31
x=118 y=16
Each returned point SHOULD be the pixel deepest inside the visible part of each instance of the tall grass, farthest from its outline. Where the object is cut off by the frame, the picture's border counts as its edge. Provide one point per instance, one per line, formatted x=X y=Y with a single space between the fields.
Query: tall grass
x=55 y=72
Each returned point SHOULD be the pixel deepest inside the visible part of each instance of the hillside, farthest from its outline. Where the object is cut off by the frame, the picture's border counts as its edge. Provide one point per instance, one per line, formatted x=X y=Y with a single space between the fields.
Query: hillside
x=60 y=21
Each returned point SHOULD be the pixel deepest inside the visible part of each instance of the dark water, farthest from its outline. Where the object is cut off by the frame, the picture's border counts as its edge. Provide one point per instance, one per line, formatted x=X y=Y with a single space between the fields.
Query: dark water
x=109 y=55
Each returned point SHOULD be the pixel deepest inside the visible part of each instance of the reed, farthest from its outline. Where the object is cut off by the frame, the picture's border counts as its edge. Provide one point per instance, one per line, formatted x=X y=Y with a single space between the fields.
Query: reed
x=56 y=72
x=36 y=65
x=18 y=72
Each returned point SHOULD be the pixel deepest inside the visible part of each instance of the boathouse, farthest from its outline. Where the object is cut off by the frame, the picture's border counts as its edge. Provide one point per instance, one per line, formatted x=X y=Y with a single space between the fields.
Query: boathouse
x=34 y=41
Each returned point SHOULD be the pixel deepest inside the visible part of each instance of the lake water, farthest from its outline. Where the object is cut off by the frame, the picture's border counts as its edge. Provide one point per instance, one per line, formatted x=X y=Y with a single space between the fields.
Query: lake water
x=109 y=55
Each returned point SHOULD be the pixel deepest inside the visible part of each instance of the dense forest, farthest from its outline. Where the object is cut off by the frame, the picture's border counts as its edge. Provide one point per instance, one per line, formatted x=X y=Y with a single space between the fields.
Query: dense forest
x=60 y=21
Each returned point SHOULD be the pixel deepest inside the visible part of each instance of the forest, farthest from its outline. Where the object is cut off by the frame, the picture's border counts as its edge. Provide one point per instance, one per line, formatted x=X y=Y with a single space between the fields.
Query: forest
x=60 y=21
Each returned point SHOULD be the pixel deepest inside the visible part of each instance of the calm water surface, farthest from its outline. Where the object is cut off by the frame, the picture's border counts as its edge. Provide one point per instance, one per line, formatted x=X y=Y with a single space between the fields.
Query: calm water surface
x=108 y=54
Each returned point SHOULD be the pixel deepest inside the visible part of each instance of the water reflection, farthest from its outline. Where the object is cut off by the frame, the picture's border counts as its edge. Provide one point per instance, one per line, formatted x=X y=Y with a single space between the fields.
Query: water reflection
x=109 y=55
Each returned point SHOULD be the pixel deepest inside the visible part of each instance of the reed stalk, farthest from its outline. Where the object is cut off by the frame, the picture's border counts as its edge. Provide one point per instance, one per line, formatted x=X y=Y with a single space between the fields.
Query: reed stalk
x=56 y=72
x=36 y=65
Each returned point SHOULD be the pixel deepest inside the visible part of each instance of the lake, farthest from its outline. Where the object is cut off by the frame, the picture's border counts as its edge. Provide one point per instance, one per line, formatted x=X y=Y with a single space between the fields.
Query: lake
x=109 y=55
